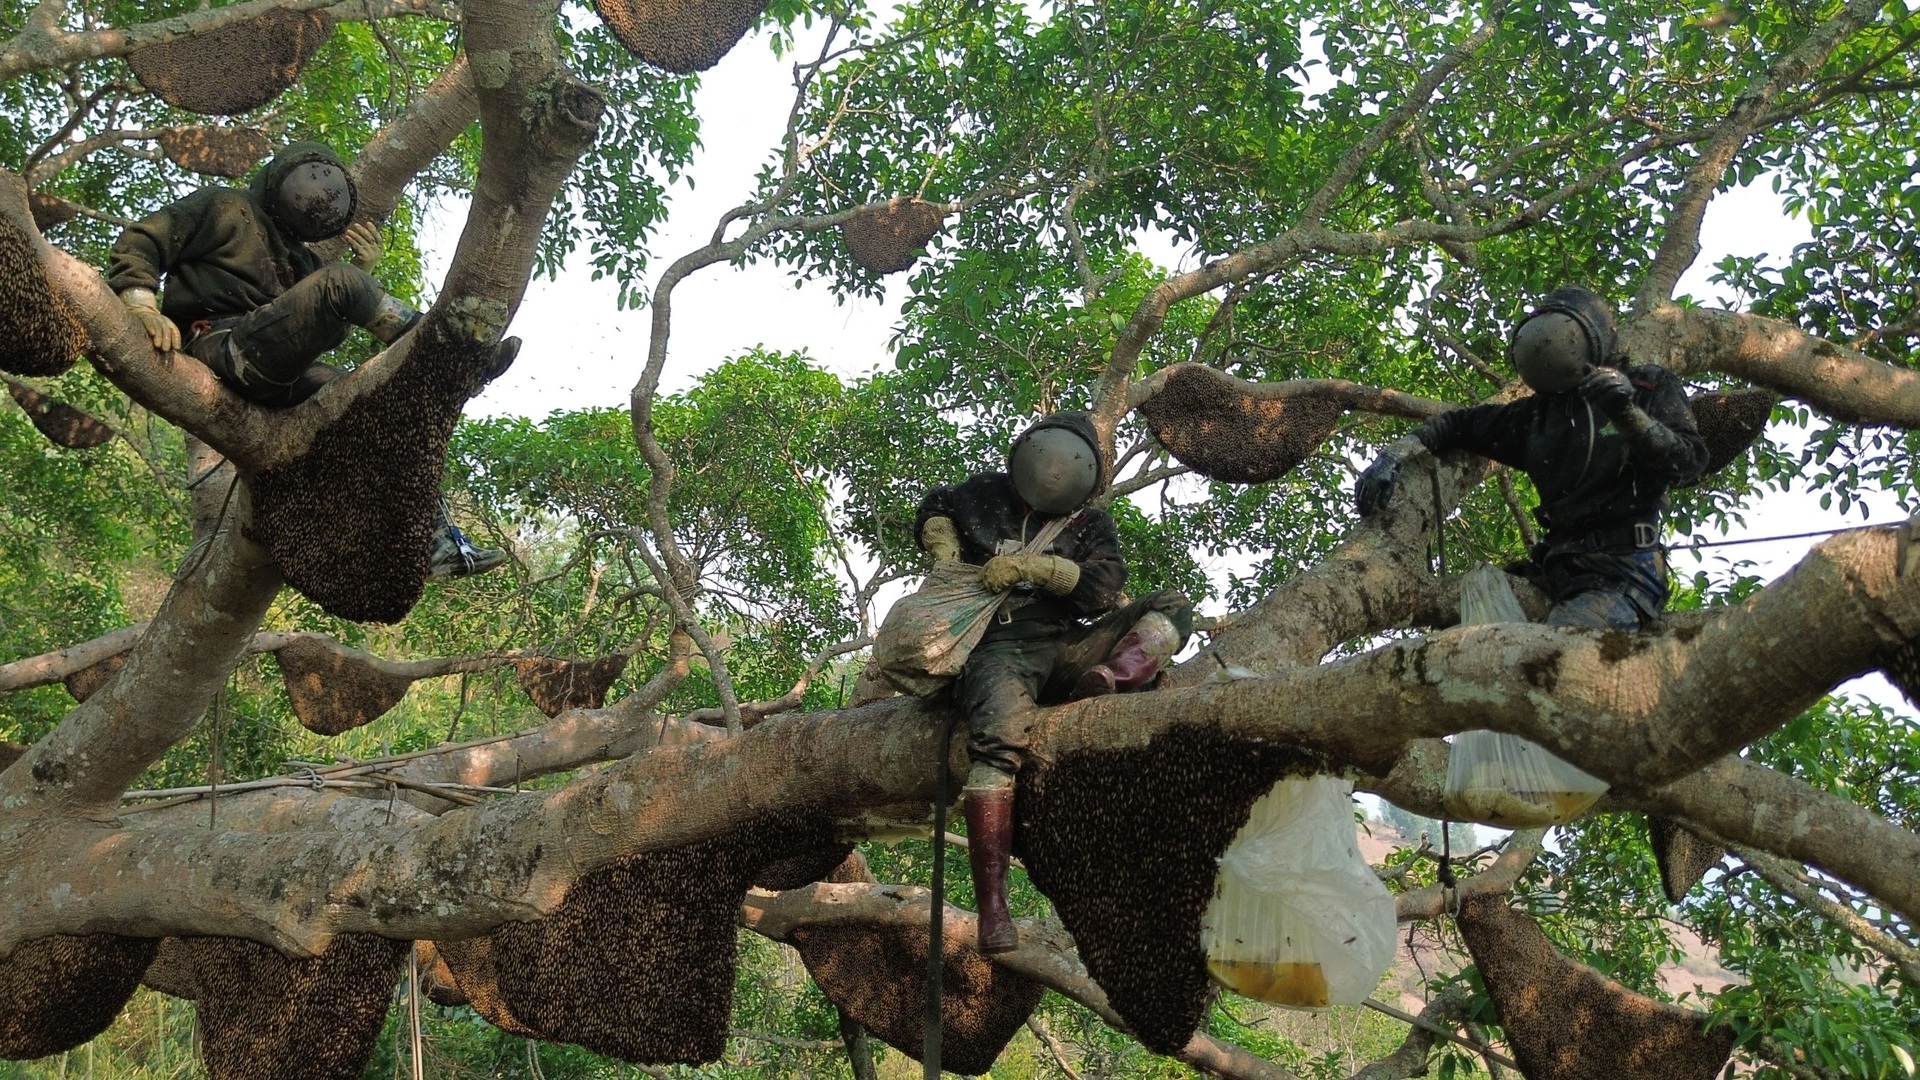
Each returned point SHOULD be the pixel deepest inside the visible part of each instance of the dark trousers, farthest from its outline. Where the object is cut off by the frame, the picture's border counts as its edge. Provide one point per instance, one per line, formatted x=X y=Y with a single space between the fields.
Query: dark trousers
x=268 y=355
x=1006 y=676
x=1604 y=590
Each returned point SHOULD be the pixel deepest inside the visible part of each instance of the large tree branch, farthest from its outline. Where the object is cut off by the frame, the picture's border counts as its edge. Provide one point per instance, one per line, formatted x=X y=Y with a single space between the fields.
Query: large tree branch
x=1840 y=382
x=48 y=668
x=1640 y=710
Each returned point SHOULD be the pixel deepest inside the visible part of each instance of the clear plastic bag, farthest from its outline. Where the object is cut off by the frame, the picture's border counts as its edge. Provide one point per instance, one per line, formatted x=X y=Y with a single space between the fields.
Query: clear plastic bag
x=1504 y=780
x=1298 y=918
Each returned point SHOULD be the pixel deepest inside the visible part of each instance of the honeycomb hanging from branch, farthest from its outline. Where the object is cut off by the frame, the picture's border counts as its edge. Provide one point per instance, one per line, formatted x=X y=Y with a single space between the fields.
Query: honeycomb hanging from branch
x=1565 y=1021
x=559 y=683
x=1211 y=423
x=681 y=36
x=1683 y=858
x=334 y=688
x=637 y=961
x=58 y=992
x=89 y=680
x=39 y=334
x=215 y=151
x=887 y=239
x=349 y=520
x=259 y=1011
x=60 y=422
x=235 y=68
x=51 y=210
x=1730 y=422
x=879 y=976
x=1131 y=878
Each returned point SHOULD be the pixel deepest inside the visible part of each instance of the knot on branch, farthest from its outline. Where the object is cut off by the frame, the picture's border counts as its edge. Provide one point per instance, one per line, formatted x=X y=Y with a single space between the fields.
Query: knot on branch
x=1126 y=843
x=349 y=519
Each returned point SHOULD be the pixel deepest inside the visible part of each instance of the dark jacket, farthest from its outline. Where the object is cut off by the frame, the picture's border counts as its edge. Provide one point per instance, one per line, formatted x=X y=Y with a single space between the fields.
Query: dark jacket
x=1587 y=475
x=986 y=510
x=219 y=249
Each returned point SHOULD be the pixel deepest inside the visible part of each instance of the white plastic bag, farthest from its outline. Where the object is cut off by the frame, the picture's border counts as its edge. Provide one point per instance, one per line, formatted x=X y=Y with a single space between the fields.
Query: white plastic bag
x=1298 y=918
x=1505 y=780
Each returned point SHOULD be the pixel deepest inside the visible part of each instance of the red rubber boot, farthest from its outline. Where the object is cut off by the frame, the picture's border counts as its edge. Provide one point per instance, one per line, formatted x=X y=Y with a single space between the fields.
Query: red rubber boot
x=989 y=836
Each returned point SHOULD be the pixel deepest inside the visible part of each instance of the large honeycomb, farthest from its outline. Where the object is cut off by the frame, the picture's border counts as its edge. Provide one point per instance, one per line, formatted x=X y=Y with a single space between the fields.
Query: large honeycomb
x=235 y=68
x=1730 y=422
x=637 y=961
x=334 y=688
x=260 y=1010
x=1125 y=843
x=1683 y=857
x=215 y=151
x=887 y=239
x=680 y=35
x=60 y=422
x=349 y=520
x=58 y=992
x=559 y=683
x=1566 y=1021
x=878 y=976
x=39 y=334
x=1211 y=424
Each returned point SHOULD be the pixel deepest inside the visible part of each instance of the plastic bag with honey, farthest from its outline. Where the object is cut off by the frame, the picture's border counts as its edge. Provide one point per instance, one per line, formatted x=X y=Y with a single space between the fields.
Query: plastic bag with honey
x=1505 y=780
x=1298 y=918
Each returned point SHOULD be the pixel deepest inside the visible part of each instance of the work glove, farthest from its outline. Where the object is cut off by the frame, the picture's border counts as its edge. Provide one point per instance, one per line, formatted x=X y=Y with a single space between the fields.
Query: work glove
x=364 y=240
x=1050 y=572
x=1376 y=484
x=940 y=539
x=160 y=329
x=1608 y=390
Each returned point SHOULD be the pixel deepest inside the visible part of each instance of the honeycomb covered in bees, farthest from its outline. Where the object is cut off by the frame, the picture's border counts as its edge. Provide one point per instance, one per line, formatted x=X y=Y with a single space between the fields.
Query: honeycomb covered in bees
x=238 y=67
x=1211 y=423
x=1566 y=1021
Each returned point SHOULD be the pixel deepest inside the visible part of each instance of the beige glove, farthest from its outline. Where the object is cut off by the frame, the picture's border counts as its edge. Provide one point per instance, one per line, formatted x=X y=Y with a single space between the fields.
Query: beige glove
x=940 y=539
x=160 y=329
x=365 y=241
x=1050 y=572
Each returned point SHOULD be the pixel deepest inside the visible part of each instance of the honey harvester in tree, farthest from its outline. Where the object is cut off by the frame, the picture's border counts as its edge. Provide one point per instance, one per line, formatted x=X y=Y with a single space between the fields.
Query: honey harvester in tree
x=1065 y=632
x=260 y=307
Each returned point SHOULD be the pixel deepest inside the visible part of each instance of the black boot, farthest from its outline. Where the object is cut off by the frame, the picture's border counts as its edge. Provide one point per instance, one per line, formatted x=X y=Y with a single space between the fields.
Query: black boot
x=989 y=835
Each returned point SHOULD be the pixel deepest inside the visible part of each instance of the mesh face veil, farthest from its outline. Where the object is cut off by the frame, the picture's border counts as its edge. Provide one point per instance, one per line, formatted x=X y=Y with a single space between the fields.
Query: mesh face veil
x=1553 y=352
x=315 y=201
x=1055 y=470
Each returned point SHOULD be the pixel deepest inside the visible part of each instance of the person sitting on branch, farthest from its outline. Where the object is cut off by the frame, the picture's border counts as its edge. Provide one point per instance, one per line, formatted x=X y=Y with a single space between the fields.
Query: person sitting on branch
x=258 y=305
x=1062 y=634
x=1602 y=443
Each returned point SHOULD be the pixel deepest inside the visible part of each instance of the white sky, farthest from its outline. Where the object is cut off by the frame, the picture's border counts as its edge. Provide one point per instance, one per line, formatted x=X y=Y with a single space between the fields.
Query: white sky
x=581 y=350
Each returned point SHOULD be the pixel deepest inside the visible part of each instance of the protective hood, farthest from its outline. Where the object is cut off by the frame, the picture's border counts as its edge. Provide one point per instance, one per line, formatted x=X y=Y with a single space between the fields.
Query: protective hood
x=1055 y=470
x=322 y=212
x=1569 y=334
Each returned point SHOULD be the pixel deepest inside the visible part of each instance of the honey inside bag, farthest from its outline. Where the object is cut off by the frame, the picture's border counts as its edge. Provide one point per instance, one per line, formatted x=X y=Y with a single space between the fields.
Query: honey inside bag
x=1298 y=918
x=1504 y=780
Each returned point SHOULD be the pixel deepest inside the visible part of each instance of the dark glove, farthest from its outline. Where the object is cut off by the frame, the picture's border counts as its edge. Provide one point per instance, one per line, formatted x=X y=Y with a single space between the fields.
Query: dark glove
x=1375 y=486
x=1608 y=389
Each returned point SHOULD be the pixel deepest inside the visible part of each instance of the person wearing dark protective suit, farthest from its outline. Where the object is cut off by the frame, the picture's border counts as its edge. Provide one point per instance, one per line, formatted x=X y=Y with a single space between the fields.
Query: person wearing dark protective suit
x=259 y=307
x=1064 y=633
x=1602 y=443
